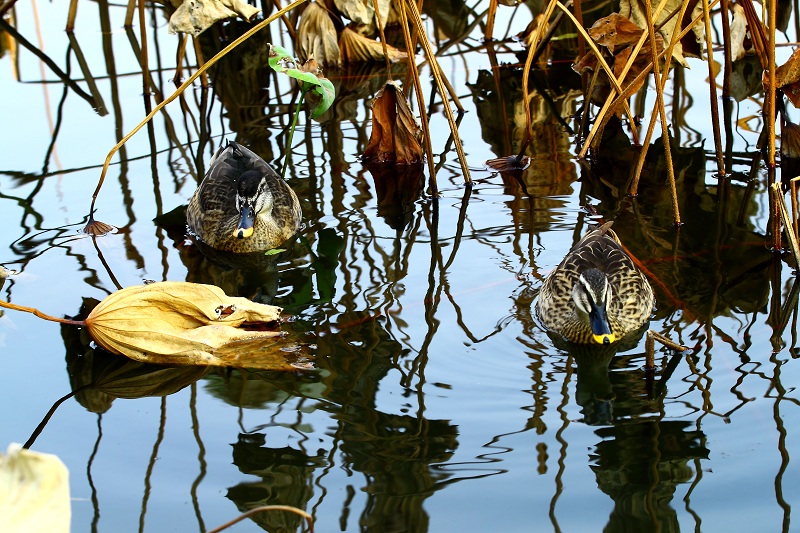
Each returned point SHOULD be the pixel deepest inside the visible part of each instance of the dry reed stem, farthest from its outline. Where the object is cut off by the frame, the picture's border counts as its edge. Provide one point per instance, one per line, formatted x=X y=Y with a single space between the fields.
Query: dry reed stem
x=625 y=69
x=423 y=117
x=71 y=14
x=620 y=99
x=793 y=188
x=379 y=20
x=662 y=112
x=437 y=76
x=34 y=311
x=183 y=38
x=771 y=92
x=712 y=87
x=650 y=346
x=183 y=87
x=490 y=20
x=144 y=55
x=602 y=62
x=265 y=508
x=783 y=214
x=286 y=22
x=651 y=124
x=129 y=14
x=534 y=44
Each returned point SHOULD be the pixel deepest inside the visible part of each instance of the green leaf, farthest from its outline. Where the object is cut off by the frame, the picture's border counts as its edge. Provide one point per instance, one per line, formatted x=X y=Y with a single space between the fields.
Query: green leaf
x=274 y=251
x=282 y=62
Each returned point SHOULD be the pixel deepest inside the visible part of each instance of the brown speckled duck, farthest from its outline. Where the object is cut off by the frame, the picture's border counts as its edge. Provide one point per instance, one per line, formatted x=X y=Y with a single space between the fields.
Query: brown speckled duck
x=242 y=205
x=596 y=295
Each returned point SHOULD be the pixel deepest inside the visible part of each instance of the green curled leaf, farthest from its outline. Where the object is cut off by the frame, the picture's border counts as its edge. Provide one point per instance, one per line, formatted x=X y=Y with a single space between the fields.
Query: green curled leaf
x=282 y=62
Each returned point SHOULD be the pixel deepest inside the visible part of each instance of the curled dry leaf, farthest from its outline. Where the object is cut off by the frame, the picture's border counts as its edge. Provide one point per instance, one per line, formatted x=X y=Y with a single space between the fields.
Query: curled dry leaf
x=787 y=78
x=34 y=492
x=196 y=16
x=615 y=32
x=396 y=137
x=189 y=323
x=357 y=48
x=362 y=12
x=316 y=36
x=691 y=44
x=619 y=36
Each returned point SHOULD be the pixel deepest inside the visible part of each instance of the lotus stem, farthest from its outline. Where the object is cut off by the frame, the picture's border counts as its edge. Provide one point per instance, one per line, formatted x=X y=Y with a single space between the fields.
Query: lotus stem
x=266 y=508
x=288 y=153
x=712 y=87
x=184 y=86
x=426 y=132
x=437 y=75
x=34 y=311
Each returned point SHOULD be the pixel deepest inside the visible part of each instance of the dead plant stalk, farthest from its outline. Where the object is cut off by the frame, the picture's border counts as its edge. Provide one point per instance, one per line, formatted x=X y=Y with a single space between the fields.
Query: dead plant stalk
x=183 y=87
x=437 y=76
x=423 y=118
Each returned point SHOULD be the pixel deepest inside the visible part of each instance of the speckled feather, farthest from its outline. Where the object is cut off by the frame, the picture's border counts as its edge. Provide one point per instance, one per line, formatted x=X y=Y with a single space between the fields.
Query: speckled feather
x=632 y=301
x=212 y=214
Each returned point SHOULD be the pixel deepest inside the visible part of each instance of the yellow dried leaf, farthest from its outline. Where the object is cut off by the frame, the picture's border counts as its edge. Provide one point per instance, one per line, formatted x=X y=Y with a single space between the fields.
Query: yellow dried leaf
x=316 y=36
x=738 y=32
x=355 y=48
x=362 y=12
x=34 y=492
x=196 y=16
x=189 y=323
x=396 y=137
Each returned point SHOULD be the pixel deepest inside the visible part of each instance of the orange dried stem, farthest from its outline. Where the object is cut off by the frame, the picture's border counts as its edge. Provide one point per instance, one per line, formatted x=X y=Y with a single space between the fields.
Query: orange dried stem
x=34 y=311
x=184 y=86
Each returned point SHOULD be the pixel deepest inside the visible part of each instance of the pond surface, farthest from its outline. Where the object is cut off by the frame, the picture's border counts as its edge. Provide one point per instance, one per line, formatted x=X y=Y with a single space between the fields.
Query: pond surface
x=436 y=401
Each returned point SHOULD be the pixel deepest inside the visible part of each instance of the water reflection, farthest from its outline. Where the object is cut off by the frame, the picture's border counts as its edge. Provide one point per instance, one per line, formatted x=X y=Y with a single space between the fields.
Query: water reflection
x=287 y=477
x=639 y=464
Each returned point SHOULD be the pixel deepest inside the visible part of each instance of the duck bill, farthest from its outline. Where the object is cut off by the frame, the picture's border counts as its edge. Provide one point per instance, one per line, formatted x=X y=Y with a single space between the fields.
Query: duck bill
x=601 y=329
x=246 y=221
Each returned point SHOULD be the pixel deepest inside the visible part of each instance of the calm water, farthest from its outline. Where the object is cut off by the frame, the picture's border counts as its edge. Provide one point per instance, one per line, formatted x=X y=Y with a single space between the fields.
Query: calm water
x=437 y=403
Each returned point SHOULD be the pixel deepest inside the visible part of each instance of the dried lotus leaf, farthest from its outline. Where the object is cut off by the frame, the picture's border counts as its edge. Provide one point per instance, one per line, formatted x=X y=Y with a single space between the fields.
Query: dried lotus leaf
x=34 y=492
x=196 y=16
x=396 y=137
x=190 y=324
x=357 y=48
x=316 y=36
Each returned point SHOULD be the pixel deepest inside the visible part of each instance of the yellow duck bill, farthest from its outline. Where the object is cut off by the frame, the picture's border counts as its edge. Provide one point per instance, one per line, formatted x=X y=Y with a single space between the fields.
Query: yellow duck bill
x=601 y=330
x=246 y=223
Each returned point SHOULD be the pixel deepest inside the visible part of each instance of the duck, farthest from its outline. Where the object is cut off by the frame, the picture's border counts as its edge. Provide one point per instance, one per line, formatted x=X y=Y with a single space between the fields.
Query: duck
x=242 y=205
x=597 y=294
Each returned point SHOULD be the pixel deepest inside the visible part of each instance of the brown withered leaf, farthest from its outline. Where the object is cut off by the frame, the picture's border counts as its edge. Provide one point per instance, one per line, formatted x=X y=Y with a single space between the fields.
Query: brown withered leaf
x=640 y=63
x=787 y=78
x=357 y=48
x=396 y=137
x=174 y=322
x=316 y=36
x=690 y=45
x=196 y=16
x=615 y=32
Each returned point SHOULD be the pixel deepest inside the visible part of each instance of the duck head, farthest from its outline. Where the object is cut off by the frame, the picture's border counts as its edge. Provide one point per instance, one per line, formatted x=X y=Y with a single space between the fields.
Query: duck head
x=592 y=296
x=252 y=196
